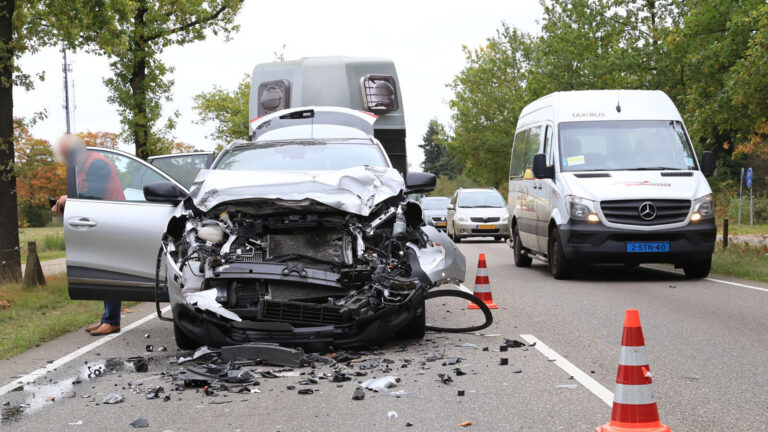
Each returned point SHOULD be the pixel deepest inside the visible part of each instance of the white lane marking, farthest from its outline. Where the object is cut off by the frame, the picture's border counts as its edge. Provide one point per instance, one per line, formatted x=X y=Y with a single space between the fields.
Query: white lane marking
x=741 y=285
x=30 y=377
x=587 y=381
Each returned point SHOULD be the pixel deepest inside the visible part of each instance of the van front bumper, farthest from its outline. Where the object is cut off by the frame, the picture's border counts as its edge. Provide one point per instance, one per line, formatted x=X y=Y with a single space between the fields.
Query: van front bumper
x=589 y=243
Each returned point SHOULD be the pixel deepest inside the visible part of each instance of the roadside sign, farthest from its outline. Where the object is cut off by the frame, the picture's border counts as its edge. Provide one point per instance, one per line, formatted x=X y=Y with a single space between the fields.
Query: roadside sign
x=749 y=178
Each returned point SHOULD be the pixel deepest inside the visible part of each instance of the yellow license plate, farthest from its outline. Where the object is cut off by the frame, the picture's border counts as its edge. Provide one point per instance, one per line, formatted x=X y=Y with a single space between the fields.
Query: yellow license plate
x=442 y=224
x=486 y=227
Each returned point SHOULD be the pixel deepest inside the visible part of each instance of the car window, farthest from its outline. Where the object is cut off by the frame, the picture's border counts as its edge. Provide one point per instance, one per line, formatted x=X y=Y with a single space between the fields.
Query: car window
x=110 y=176
x=182 y=168
x=548 y=145
x=532 y=143
x=518 y=155
x=481 y=199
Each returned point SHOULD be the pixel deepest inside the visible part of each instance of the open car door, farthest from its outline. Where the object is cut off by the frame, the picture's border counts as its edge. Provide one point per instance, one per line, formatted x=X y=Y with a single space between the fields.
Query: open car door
x=112 y=233
x=183 y=167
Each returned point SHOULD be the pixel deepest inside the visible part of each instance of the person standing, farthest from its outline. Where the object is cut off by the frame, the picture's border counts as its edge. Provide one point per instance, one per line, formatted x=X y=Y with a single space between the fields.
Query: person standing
x=96 y=179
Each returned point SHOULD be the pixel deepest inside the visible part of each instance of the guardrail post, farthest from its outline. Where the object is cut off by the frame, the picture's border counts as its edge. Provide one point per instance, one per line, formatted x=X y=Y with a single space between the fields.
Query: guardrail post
x=33 y=272
x=725 y=233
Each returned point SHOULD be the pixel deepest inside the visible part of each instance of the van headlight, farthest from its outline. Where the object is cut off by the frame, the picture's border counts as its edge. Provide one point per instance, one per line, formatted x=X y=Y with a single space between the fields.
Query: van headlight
x=703 y=208
x=583 y=209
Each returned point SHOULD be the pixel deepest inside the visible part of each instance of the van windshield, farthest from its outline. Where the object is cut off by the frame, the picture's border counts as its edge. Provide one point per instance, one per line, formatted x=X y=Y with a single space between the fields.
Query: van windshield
x=625 y=145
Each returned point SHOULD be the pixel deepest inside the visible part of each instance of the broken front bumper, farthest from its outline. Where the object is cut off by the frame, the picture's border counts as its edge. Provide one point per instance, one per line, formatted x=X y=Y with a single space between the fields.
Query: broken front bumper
x=214 y=332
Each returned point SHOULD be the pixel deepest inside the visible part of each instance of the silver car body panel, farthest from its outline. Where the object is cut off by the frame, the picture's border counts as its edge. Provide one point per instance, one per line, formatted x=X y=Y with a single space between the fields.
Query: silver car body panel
x=443 y=263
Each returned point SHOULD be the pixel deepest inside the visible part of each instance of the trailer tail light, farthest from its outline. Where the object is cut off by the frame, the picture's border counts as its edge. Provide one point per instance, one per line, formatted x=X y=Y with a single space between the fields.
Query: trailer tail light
x=274 y=96
x=379 y=93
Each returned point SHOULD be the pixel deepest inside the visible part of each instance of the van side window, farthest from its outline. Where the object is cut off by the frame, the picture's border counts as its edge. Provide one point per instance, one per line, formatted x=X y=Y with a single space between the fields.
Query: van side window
x=517 y=161
x=548 y=145
x=532 y=144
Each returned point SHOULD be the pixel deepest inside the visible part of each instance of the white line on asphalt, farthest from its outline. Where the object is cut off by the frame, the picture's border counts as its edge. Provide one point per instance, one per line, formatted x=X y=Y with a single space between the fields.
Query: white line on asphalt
x=587 y=381
x=30 y=377
x=752 y=287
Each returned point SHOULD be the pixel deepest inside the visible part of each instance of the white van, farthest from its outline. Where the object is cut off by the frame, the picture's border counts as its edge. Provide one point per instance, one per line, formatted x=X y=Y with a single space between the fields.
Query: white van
x=609 y=176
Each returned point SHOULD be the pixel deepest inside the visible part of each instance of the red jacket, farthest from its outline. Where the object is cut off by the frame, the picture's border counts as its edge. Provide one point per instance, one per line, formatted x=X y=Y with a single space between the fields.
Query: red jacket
x=113 y=190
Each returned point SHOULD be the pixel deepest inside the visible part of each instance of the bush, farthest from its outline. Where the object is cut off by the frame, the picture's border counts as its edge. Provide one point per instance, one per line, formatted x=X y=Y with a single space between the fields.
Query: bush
x=760 y=206
x=34 y=216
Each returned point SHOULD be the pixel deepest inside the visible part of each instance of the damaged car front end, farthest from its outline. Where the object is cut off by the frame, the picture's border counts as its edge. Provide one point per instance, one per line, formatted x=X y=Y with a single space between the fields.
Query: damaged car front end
x=316 y=259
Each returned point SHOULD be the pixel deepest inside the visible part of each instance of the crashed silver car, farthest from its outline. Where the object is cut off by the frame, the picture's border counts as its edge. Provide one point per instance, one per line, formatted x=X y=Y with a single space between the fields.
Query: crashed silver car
x=302 y=236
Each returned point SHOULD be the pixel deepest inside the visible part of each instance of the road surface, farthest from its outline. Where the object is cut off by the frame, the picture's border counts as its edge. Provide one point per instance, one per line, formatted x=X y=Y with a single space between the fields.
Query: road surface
x=706 y=340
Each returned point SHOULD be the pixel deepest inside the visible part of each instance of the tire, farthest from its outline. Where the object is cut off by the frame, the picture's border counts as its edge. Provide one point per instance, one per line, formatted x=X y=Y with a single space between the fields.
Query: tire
x=498 y=238
x=698 y=269
x=521 y=260
x=182 y=340
x=417 y=326
x=559 y=265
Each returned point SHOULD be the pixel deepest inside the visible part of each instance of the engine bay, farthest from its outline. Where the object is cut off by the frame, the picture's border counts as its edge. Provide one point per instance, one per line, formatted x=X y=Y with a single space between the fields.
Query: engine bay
x=306 y=268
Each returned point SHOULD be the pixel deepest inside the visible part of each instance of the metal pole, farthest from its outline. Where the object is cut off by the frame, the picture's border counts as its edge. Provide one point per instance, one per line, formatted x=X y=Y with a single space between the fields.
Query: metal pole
x=66 y=88
x=741 y=182
x=750 y=207
x=725 y=233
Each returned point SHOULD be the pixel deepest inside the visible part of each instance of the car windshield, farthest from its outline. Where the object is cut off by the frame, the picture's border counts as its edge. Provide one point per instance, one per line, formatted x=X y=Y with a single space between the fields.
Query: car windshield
x=481 y=199
x=625 y=145
x=440 y=203
x=302 y=156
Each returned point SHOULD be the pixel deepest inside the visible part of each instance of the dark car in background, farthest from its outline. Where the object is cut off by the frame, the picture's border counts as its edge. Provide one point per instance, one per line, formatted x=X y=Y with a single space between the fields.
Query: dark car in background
x=435 y=211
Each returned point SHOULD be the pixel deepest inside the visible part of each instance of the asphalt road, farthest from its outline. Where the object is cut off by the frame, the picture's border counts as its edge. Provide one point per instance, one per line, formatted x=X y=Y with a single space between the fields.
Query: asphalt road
x=706 y=340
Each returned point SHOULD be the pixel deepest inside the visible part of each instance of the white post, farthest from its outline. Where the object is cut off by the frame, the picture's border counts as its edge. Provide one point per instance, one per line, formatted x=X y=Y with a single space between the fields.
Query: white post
x=741 y=182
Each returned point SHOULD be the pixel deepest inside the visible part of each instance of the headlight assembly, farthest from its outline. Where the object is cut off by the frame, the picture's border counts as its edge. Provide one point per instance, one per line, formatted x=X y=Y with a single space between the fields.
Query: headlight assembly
x=703 y=208
x=583 y=209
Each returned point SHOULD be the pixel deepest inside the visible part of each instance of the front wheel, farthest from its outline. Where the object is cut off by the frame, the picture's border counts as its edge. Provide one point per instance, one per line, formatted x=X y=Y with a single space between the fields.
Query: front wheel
x=521 y=259
x=698 y=269
x=183 y=341
x=560 y=266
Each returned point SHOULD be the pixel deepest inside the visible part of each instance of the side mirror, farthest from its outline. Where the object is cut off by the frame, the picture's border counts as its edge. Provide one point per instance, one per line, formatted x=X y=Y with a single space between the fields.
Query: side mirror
x=707 y=163
x=163 y=192
x=451 y=207
x=540 y=168
x=419 y=182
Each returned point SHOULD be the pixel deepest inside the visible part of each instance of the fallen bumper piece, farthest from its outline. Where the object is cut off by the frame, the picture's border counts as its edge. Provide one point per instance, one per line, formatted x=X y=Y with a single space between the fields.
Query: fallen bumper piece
x=266 y=353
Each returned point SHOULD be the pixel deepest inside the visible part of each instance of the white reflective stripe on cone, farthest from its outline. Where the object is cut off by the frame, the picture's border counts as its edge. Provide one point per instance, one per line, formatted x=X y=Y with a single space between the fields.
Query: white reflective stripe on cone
x=634 y=394
x=633 y=356
x=482 y=288
x=482 y=271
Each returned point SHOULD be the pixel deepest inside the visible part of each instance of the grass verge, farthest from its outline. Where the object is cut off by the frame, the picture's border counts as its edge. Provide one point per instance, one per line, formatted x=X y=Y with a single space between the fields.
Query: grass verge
x=36 y=315
x=741 y=261
x=744 y=228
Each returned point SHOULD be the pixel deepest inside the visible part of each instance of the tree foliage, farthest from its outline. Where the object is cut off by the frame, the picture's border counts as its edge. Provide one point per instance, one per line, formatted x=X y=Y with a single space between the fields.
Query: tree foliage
x=709 y=56
x=226 y=110
x=108 y=140
x=38 y=174
x=134 y=36
x=438 y=159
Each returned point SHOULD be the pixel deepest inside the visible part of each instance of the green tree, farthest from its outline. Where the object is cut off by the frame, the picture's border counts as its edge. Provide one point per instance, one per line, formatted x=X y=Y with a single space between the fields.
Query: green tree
x=438 y=159
x=134 y=36
x=25 y=27
x=226 y=110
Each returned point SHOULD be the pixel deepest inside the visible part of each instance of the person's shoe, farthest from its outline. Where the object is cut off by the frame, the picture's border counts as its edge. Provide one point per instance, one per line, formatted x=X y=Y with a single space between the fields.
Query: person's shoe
x=105 y=329
x=92 y=327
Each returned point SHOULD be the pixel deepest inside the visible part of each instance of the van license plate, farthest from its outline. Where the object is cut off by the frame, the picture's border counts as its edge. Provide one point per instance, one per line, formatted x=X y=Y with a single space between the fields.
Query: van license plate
x=486 y=227
x=648 y=247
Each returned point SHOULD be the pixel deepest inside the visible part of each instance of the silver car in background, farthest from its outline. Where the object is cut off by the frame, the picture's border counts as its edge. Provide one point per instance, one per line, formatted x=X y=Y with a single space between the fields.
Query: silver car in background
x=435 y=211
x=478 y=213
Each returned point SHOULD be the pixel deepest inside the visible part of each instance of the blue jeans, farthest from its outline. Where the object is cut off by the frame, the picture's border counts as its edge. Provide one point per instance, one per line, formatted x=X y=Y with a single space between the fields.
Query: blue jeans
x=112 y=311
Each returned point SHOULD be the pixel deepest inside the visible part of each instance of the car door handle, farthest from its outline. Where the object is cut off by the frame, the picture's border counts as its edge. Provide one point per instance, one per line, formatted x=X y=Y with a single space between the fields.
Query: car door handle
x=82 y=222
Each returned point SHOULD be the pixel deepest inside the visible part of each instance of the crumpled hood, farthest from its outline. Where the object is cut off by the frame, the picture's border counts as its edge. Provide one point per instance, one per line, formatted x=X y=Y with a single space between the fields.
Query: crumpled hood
x=355 y=190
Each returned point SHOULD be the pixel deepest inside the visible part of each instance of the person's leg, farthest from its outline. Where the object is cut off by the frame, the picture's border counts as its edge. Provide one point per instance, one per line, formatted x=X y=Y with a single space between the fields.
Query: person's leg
x=111 y=313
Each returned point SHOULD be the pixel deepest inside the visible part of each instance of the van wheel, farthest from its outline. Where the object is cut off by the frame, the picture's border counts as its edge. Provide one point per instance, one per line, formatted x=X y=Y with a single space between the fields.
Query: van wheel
x=521 y=260
x=560 y=266
x=698 y=269
x=182 y=340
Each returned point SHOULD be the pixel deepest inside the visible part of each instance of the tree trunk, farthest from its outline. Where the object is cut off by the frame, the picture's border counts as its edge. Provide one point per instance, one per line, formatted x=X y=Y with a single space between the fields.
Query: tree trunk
x=140 y=120
x=10 y=257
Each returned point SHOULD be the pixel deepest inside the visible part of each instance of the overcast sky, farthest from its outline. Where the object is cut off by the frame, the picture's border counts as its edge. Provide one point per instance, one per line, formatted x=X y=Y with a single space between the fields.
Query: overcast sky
x=424 y=38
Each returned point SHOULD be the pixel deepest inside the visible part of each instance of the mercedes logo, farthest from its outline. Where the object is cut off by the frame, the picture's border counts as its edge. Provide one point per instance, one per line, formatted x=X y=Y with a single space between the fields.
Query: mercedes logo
x=647 y=211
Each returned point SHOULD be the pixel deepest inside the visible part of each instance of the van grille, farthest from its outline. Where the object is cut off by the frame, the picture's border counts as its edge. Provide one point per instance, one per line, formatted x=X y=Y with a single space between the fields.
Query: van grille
x=628 y=211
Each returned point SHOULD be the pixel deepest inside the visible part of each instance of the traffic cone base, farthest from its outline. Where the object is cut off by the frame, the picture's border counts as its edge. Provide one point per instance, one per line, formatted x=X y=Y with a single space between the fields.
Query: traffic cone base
x=634 y=406
x=483 y=286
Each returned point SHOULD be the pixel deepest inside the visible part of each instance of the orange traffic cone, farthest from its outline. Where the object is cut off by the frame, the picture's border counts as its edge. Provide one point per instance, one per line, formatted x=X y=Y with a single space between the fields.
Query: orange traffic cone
x=483 y=286
x=634 y=406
